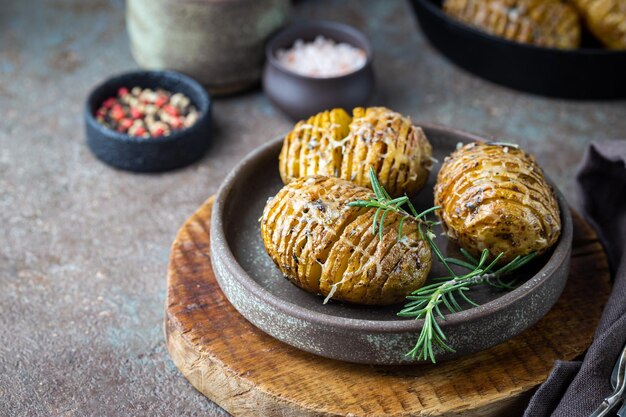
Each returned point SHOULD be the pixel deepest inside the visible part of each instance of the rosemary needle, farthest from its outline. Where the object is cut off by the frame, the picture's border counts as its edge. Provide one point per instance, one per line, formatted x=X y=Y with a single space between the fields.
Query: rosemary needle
x=426 y=302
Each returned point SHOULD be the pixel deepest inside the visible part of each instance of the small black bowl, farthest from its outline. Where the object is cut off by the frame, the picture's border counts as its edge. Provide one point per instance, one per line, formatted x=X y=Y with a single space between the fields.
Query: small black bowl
x=130 y=153
x=589 y=72
x=300 y=96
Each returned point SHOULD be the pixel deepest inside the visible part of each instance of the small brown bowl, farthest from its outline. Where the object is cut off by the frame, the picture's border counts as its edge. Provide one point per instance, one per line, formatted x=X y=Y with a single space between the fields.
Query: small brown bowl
x=300 y=96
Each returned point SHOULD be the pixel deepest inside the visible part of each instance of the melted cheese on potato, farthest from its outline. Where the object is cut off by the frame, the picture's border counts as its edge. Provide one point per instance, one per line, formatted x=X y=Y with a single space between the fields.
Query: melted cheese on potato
x=495 y=197
x=332 y=143
x=327 y=247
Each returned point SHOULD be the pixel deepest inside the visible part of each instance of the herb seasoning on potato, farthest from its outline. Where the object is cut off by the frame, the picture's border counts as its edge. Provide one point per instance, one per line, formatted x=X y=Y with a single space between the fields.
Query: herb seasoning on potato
x=494 y=196
x=325 y=246
x=332 y=143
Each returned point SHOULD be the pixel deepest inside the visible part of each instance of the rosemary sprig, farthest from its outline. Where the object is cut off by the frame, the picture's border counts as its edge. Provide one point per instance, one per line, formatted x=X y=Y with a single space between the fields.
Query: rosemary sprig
x=426 y=302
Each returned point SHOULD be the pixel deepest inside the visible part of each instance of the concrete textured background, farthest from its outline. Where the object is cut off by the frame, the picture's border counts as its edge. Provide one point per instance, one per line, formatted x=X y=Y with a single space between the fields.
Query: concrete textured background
x=84 y=248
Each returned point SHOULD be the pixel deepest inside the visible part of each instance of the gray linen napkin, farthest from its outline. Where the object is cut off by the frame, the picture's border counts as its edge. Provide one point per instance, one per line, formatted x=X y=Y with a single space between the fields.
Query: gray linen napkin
x=575 y=389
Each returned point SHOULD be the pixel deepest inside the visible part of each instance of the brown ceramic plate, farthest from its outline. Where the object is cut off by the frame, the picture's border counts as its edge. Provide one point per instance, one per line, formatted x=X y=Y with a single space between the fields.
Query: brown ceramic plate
x=372 y=335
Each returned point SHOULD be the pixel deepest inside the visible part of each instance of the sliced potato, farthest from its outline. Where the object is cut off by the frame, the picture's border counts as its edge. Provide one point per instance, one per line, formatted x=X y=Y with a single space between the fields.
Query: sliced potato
x=548 y=23
x=332 y=143
x=327 y=247
x=606 y=19
x=496 y=197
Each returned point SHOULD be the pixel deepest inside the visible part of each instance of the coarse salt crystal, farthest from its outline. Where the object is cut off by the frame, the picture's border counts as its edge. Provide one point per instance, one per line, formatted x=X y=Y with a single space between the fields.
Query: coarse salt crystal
x=322 y=58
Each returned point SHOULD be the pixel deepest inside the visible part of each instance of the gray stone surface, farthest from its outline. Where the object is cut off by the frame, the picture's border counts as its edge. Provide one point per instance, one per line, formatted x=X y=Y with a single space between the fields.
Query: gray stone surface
x=84 y=248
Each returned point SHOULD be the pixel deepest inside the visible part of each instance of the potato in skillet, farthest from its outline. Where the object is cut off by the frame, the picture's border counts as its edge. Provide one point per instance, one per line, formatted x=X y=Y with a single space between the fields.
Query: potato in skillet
x=327 y=247
x=606 y=19
x=548 y=23
x=332 y=143
x=495 y=196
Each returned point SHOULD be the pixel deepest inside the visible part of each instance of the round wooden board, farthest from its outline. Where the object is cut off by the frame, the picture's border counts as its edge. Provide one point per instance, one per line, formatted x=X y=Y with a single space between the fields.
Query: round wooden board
x=249 y=373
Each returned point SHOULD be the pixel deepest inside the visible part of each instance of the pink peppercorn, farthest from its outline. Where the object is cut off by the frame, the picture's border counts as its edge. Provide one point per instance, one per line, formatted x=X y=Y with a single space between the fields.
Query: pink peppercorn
x=122 y=91
x=136 y=113
x=117 y=113
x=176 y=123
x=126 y=124
x=109 y=102
x=171 y=110
x=160 y=100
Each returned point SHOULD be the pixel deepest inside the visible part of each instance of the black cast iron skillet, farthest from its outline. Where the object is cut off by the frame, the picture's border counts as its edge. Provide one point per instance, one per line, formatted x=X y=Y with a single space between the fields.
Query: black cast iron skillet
x=589 y=72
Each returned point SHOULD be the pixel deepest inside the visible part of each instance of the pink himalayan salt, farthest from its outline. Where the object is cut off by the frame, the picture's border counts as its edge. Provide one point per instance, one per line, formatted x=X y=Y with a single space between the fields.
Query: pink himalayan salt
x=322 y=58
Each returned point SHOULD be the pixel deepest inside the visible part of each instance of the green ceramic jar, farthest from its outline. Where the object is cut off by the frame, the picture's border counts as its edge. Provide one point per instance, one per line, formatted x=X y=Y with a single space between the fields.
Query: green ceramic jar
x=217 y=42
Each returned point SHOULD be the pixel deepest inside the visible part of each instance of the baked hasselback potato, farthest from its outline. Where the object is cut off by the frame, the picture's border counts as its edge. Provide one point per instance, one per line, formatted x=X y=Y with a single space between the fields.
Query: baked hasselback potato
x=606 y=19
x=495 y=196
x=327 y=247
x=548 y=23
x=332 y=143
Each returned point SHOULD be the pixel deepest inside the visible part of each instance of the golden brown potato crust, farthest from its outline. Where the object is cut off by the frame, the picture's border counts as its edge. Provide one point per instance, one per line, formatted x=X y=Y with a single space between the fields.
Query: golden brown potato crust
x=496 y=197
x=327 y=247
x=606 y=19
x=332 y=143
x=548 y=23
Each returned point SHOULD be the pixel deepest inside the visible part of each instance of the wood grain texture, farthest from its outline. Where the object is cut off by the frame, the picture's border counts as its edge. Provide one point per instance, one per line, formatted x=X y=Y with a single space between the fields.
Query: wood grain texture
x=251 y=374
